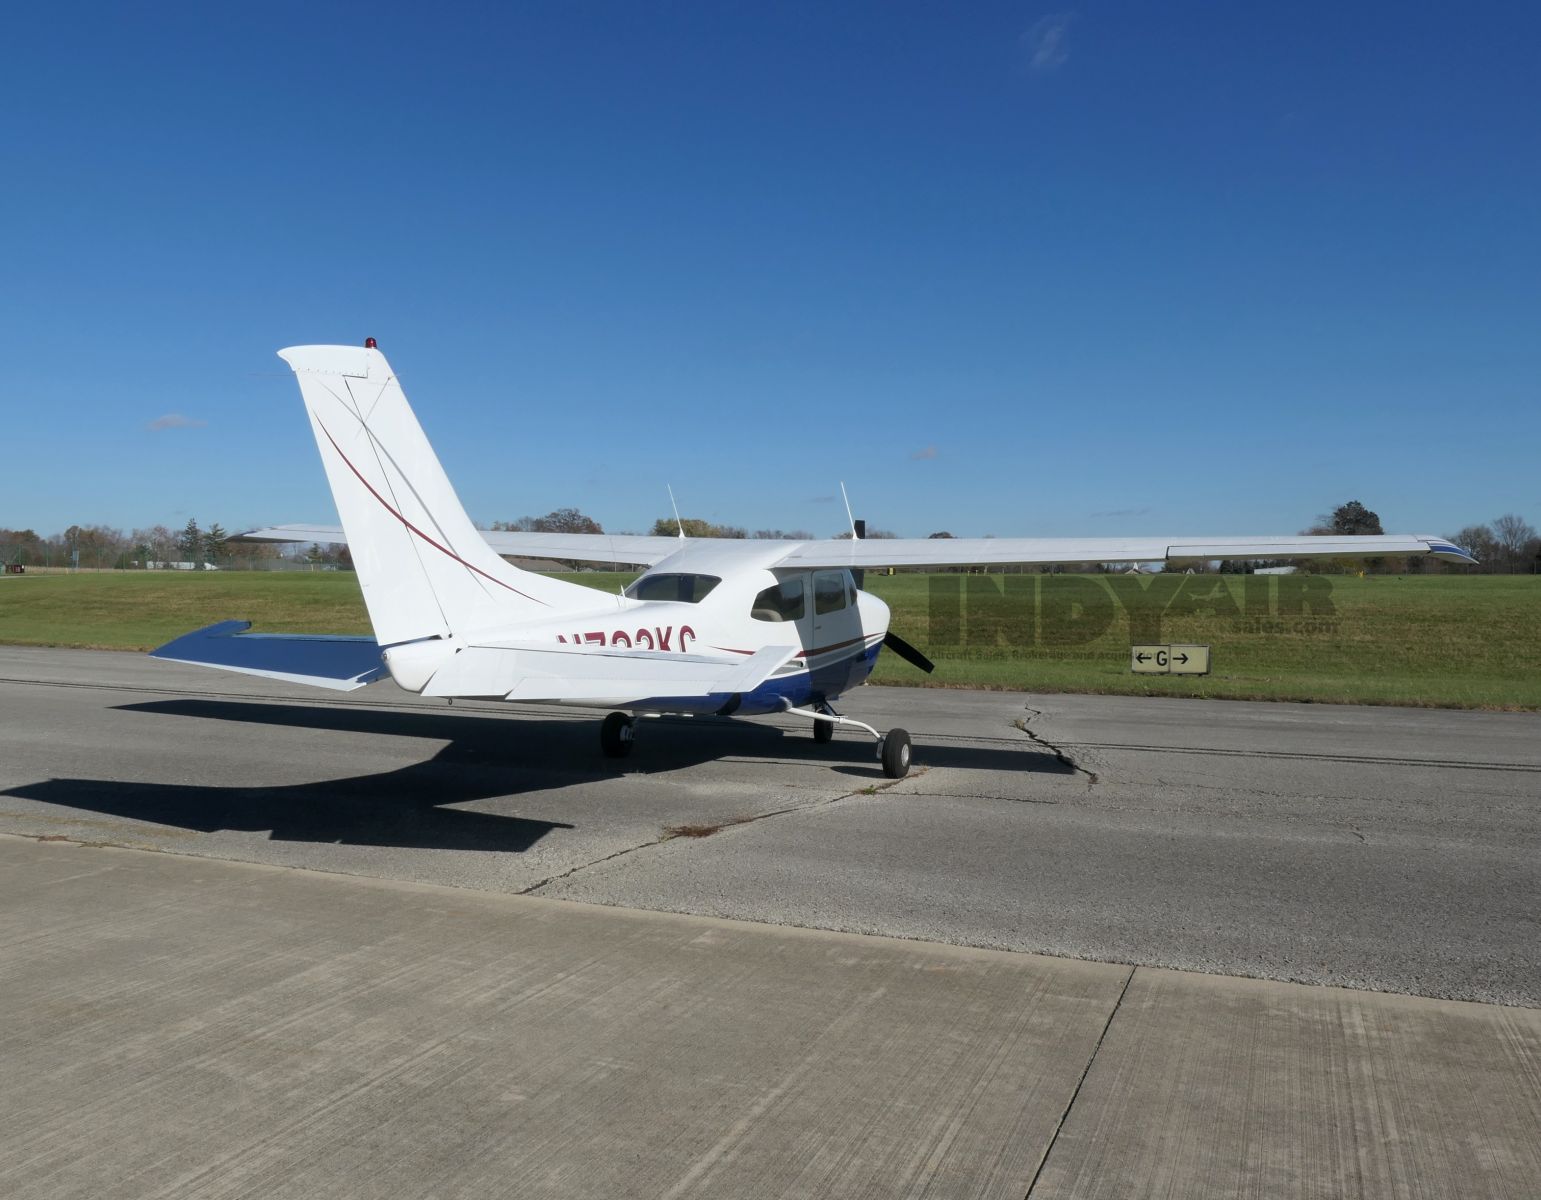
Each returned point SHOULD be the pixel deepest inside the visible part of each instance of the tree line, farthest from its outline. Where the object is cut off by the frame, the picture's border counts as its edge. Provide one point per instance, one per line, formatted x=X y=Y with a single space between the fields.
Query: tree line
x=1507 y=546
x=101 y=547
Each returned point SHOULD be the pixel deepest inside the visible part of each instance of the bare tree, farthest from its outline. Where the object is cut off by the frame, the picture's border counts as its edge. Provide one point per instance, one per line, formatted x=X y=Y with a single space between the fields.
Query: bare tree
x=1512 y=534
x=872 y=535
x=99 y=545
x=1479 y=542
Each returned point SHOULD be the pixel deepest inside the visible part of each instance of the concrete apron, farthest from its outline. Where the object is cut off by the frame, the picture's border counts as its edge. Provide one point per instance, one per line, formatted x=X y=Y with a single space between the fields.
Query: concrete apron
x=175 y=1026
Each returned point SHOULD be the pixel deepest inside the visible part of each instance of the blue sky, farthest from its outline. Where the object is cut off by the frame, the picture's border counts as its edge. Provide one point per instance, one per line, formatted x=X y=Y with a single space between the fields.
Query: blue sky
x=1003 y=268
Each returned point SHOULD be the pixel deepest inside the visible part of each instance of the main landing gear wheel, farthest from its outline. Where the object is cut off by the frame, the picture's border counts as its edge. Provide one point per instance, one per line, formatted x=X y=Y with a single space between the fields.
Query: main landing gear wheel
x=894 y=750
x=617 y=734
x=823 y=731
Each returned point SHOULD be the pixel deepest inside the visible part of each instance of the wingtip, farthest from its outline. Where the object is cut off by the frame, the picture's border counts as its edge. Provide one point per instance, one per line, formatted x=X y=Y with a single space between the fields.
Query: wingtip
x=1447 y=551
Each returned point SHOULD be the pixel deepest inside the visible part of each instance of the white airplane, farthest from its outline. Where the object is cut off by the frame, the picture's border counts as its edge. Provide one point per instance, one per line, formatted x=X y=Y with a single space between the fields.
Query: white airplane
x=713 y=626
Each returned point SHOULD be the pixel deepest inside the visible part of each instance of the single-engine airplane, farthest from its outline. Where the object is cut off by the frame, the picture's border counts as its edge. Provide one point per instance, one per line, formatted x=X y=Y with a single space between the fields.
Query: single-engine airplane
x=713 y=625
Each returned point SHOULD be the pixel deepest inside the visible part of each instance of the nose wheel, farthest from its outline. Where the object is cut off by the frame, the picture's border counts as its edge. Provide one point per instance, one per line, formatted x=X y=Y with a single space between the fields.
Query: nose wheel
x=894 y=753
x=617 y=734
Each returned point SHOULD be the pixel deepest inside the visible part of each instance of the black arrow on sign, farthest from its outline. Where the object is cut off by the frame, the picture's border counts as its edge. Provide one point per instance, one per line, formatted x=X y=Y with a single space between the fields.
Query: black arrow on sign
x=1182 y=658
x=1141 y=657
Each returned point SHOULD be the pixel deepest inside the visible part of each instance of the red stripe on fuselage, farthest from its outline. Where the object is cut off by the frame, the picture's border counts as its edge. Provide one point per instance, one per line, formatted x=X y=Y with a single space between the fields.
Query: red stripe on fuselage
x=441 y=549
x=808 y=653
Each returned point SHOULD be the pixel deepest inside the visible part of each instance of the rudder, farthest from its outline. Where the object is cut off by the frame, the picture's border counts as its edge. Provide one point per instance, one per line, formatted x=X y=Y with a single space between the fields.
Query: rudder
x=424 y=568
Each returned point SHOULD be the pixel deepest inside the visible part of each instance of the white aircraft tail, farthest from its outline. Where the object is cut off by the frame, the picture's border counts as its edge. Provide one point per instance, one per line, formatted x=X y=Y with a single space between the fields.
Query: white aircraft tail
x=425 y=570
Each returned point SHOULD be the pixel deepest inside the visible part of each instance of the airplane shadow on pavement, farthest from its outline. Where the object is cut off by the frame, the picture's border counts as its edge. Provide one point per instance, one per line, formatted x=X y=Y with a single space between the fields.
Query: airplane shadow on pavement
x=484 y=757
x=406 y=807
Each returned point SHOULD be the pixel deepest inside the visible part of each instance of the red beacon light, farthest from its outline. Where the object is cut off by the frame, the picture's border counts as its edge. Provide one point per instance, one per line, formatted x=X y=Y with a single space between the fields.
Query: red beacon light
x=371 y=344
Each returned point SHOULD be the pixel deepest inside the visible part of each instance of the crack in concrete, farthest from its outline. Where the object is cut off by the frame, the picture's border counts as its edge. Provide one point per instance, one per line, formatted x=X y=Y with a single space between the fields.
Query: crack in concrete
x=674 y=833
x=1022 y=723
x=1080 y=1083
x=985 y=796
x=535 y=887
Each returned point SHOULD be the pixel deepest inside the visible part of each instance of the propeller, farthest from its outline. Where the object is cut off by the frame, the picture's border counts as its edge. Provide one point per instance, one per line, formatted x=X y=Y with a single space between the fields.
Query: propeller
x=908 y=652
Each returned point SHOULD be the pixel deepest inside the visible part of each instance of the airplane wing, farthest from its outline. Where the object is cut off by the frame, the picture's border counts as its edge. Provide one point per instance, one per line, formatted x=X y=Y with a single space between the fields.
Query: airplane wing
x=631 y=549
x=963 y=552
x=621 y=549
x=338 y=662
x=325 y=535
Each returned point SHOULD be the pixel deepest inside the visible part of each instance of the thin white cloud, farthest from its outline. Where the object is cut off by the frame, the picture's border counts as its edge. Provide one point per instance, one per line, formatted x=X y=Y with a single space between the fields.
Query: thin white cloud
x=925 y=452
x=176 y=421
x=1047 y=42
x=1122 y=512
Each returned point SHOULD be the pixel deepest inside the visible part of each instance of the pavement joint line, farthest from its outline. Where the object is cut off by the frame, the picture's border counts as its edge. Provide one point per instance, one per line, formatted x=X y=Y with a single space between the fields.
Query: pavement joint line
x=456 y=891
x=1024 y=723
x=978 y=796
x=1309 y=755
x=390 y=883
x=1080 y=1083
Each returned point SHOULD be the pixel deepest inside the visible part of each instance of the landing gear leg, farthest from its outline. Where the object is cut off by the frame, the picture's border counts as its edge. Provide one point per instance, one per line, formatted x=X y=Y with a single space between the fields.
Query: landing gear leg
x=893 y=747
x=617 y=734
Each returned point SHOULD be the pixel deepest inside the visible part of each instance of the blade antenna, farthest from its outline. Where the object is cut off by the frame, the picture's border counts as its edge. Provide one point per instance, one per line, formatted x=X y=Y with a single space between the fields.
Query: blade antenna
x=680 y=524
x=621 y=590
x=848 y=515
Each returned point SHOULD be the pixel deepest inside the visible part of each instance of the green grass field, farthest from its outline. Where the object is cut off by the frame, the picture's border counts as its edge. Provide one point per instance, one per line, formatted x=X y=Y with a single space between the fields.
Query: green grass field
x=1435 y=640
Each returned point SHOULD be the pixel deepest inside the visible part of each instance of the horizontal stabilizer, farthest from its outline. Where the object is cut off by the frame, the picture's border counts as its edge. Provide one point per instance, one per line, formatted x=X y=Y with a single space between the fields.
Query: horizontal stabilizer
x=321 y=660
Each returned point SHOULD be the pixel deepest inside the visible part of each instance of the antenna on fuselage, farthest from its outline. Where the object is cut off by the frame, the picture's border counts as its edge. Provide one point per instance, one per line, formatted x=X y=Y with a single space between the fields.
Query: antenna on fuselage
x=848 y=516
x=680 y=524
x=858 y=532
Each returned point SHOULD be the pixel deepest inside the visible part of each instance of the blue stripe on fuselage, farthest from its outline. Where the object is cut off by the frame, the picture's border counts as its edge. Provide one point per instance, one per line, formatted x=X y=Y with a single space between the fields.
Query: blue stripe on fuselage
x=822 y=683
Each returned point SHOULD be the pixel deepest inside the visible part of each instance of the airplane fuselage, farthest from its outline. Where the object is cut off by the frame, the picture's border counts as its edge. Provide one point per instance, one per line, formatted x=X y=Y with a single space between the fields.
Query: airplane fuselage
x=833 y=631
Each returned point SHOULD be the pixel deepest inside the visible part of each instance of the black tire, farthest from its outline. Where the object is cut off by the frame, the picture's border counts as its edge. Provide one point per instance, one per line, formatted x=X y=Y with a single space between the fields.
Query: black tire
x=896 y=754
x=823 y=731
x=615 y=735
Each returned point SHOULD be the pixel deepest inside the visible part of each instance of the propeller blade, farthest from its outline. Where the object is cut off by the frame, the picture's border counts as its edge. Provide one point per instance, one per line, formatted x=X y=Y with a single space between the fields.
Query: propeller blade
x=908 y=652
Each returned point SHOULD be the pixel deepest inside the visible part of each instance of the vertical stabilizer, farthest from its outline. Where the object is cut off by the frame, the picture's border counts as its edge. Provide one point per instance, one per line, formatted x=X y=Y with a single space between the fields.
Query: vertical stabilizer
x=424 y=569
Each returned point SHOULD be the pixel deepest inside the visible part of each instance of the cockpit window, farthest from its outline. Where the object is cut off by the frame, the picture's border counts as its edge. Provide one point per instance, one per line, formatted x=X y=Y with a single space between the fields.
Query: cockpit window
x=679 y=588
x=784 y=602
x=829 y=593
